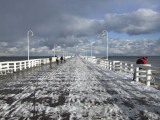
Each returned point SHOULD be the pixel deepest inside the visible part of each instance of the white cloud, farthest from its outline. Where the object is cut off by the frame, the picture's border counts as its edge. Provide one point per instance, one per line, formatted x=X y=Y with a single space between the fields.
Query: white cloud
x=3 y=44
x=128 y=47
x=116 y=47
x=13 y=49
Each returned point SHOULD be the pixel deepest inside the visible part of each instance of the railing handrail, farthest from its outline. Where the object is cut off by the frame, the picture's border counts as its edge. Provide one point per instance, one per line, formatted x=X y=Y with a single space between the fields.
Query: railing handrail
x=10 y=66
x=129 y=67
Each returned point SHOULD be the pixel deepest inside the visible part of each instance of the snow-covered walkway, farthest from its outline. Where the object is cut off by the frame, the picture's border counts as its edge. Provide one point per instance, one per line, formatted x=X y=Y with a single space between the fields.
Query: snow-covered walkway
x=78 y=90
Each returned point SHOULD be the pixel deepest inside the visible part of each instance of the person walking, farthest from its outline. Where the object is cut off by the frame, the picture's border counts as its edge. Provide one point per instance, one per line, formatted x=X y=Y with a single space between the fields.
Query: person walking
x=50 y=60
x=57 y=61
x=61 y=59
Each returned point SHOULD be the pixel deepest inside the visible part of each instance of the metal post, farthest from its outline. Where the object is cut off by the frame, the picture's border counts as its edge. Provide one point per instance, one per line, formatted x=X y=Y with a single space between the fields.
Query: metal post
x=103 y=35
x=54 y=50
x=131 y=68
x=25 y=65
x=28 y=42
x=91 y=49
x=148 y=77
x=107 y=46
x=121 y=67
x=15 y=67
x=126 y=68
x=20 y=65
x=137 y=74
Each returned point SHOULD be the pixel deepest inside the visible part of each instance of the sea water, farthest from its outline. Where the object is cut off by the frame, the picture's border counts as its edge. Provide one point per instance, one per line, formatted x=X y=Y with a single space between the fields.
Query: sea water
x=153 y=60
x=18 y=58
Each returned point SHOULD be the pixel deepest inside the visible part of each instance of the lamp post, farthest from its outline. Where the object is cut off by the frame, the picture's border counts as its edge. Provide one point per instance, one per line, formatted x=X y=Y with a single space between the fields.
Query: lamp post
x=103 y=35
x=77 y=50
x=55 y=45
x=91 y=49
x=28 y=45
x=28 y=34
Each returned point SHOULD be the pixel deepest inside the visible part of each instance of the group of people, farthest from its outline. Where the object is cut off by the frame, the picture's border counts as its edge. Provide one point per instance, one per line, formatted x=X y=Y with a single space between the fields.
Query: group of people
x=142 y=60
x=58 y=60
x=62 y=59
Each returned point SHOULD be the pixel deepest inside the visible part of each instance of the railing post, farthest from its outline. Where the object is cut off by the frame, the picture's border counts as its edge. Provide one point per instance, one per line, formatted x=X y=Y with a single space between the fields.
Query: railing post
x=35 y=62
x=121 y=67
x=40 y=62
x=45 y=60
x=20 y=65
x=15 y=67
x=25 y=64
x=0 y=66
x=110 y=65
x=131 y=68
x=32 y=63
x=7 y=66
x=117 y=66
x=137 y=74
x=106 y=64
x=148 y=77
x=126 y=68
x=29 y=64
x=113 y=65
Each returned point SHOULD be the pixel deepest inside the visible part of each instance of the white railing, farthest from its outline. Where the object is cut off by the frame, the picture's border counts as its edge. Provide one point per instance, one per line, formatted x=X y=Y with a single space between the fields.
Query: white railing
x=14 y=66
x=139 y=72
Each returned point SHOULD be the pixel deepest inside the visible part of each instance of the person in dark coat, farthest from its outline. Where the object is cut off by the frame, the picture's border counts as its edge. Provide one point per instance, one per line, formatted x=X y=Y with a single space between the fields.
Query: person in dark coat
x=57 y=61
x=50 y=60
x=61 y=59
x=142 y=60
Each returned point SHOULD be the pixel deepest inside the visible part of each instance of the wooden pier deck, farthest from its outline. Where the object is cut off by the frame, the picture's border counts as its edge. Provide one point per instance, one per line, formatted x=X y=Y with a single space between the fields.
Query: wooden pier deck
x=77 y=90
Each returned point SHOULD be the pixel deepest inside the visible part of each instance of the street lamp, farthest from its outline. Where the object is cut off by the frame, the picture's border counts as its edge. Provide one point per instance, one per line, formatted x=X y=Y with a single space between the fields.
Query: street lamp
x=92 y=48
x=103 y=35
x=55 y=45
x=28 y=34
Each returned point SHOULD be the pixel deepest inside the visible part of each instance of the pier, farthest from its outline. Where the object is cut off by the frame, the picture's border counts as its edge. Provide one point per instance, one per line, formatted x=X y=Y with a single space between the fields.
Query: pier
x=79 y=89
x=14 y=66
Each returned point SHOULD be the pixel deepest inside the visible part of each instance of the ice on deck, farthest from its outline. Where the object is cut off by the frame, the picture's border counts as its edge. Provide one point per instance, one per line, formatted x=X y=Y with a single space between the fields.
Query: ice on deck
x=78 y=90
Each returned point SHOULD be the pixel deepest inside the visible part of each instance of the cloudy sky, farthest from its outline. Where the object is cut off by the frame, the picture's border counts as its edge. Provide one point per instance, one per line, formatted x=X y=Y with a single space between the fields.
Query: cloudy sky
x=133 y=26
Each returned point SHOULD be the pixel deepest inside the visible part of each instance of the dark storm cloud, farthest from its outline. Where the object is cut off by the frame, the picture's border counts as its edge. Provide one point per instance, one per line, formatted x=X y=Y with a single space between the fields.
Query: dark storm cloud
x=62 y=18
x=44 y=17
x=142 y=21
x=71 y=21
